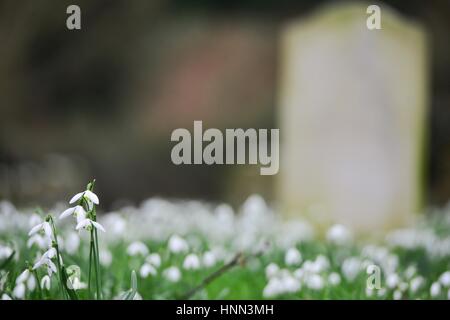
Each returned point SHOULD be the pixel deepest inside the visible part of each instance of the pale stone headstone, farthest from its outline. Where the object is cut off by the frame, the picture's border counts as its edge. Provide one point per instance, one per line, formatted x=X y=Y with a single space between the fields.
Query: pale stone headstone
x=352 y=118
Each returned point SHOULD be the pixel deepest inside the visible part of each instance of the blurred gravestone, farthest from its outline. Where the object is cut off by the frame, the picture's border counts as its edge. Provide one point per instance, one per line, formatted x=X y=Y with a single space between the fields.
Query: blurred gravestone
x=352 y=118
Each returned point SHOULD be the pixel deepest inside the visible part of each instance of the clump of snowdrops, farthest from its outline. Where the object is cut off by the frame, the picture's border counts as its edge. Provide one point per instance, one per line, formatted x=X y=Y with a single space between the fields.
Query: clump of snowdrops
x=192 y=249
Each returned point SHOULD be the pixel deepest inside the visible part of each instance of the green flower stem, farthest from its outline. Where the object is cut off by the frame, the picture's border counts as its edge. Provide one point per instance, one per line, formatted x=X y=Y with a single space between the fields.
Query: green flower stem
x=62 y=286
x=41 y=296
x=91 y=248
x=97 y=259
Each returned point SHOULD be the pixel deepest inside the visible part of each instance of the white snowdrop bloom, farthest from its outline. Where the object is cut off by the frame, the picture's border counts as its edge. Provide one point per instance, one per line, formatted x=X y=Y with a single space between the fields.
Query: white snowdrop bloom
x=392 y=280
x=76 y=284
x=290 y=284
x=397 y=295
x=191 y=262
x=381 y=292
x=435 y=289
x=351 y=268
x=444 y=279
x=88 y=195
x=410 y=272
x=19 y=291
x=137 y=248
x=369 y=292
x=45 y=282
x=334 y=279
x=154 y=259
x=314 y=282
x=72 y=243
x=272 y=270
x=416 y=283
x=5 y=252
x=273 y=288
x=105 y=257
x=44 y=260
x=42 y=242
x=49 y=254
x=209 y=259
x=321 y=264
x=146 y=270
x=299 y=273
x=339 y=235
x=43 y=226
x=87 y=224
x=31 y=283
x=77 y=211
x=172 y=274
x=6 y=297
x=177 y=244
x=23 y=276
x=292 y=257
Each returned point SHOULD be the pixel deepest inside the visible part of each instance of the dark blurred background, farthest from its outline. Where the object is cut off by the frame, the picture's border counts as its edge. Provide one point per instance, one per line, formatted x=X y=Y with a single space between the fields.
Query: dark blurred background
x=102 y=102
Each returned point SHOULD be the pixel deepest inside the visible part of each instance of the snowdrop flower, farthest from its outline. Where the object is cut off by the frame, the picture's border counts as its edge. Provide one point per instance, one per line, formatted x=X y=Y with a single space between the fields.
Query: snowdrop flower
x=88 y=224
x=272 y=270
x=314 y=282
x=146 y=270
x=76 y=284
x=292 y=257
x=105 y=257
x=209 y=259
x=87 y=195
x=72 y=243
x=5 y=252
x=273 y=288
x=444 y=279
x=177 y=244
x=77 y=211
x=6 y=297
x=19 y=291
x=392 y=280
x=42 y=242
x=46 y=260
x=137 y=248
x=31 y=283
x=45 y=282
x=435 y=289
x=290 y=284
x=339 y=235
x=321 y=264
x=351 y=268
x=397 y=295
x=23 y=276
x=43 y=226
x=334 y=279
x=416 y=283
x=191 y=262
x=172 y=274
x=154 y=259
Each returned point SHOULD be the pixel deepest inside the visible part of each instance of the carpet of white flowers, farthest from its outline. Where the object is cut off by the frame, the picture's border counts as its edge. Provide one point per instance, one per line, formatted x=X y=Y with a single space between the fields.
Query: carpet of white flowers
x=195 y=250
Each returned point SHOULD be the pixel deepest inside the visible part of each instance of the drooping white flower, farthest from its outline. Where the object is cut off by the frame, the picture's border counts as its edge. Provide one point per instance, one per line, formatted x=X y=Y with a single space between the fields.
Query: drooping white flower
x=209 y=259
x=137 y=248
x=87 y=224
x=334 y=279
x=146 y=270
x=397 y=295
x=43 y=226
x=272 y=270
x=177 y=244
x=435 y=289
x=154 y=259
x=72 y=242
x=76 y=284
x=23 y=276
x=88 y=195
x=339 y=235
x=273 y=288
x=45 y=282
x=77 y=211
x=6 y=297
x=105 y=257
x=191 y=262
x=444 y=279
x=46 y=260
x=416 y=283
x=5 y=252
x=392 y=280
x=314 y=282
x=42 y=242
x=292 y=257
x=351 y=268
x=172 y=274
x=19 y=291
